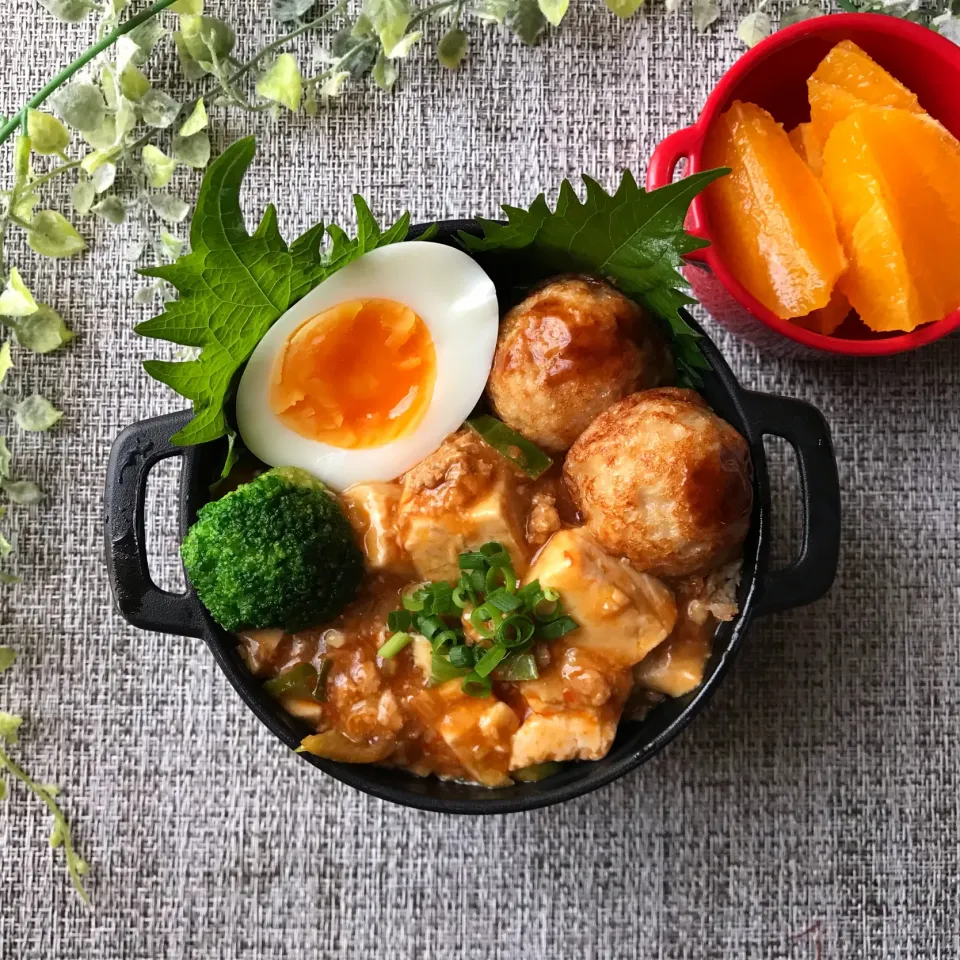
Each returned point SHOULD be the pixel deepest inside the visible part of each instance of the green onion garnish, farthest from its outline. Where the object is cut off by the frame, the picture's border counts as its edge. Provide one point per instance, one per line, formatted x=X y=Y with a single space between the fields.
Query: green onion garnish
x=537 y=771
x=476 y=686
x=515 y=631
x=512 y=445
x=462 y=656
x=490 y=659
x=394 y=645
x=557 y=628
x=514 y=617
x=442 y=670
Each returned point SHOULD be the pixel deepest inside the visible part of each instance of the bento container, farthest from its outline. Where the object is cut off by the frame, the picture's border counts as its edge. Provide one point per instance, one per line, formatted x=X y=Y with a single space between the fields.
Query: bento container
x=763 y=591
x=773 y=75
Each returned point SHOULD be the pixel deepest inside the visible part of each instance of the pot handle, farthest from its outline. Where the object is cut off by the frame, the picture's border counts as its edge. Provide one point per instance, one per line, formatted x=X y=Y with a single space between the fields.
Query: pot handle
x=810 y=576
x=140 y=601
x=669 y=152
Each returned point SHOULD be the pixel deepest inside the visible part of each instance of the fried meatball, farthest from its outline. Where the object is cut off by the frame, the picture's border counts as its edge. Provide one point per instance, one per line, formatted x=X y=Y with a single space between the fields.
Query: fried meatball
x=569 y=351
x=662 y=480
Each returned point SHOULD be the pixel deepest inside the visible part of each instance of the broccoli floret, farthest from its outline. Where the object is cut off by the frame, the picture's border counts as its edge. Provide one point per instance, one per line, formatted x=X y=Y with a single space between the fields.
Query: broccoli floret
x=276 y=552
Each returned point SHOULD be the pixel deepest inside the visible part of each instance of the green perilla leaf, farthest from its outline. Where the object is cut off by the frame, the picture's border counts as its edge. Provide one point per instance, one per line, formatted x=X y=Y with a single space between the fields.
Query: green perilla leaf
x=233 y=286
x=633 y=237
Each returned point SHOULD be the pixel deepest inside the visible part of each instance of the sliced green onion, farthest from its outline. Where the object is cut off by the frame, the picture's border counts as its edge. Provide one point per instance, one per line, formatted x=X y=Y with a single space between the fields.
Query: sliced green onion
x=430 y=625
x=476 y=686
x=481 y=616
x=476 y=580
x=399 y=620
x=472 y=561
x=492 y=548
x=536 y=771
x=444 y=638
x=394 y=645
x=504 y=601
x=414 y=600
x=548 y=592
x=510 y=444
x=530 y=592
x=514 y=631
x=442 y=670
x=500 y=576
x=460 y=597
x=490 y=659
x=440 y=599
x=556 y=628
x=462 y=656
x=298 y=681
x=518 y=666
x=550 y=612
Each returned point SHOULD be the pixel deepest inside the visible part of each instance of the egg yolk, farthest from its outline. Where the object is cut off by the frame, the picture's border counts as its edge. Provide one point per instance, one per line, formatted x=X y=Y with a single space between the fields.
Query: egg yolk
x=357 y=375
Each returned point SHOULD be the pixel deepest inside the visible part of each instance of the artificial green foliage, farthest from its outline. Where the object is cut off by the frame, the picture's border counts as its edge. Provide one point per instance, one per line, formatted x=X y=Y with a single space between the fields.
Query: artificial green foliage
x=634 y=238
x=275 y=552
x=233 y=286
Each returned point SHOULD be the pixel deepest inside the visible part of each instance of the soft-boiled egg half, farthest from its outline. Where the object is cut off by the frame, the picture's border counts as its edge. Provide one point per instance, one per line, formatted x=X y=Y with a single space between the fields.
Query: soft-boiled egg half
x=371 y=370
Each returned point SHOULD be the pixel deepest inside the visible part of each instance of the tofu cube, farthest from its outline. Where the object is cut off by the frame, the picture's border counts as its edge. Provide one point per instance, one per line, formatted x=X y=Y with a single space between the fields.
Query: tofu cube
x=622 y=614
x=676 y=666
x=479 y=733
x=570 y=735
x=434 y=538
x=371 y=509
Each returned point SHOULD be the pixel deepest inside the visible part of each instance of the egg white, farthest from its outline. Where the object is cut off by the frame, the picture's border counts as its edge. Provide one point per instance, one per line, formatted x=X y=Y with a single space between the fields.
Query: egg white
x=458 y=303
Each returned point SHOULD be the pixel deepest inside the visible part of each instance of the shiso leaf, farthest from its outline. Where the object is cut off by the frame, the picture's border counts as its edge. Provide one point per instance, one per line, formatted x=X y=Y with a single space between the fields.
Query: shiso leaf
x=36 y=414
x=633 y=237
x=16 y=300
x=282 y=83
x=233 y=286
x=43 y=331
x=52 y=235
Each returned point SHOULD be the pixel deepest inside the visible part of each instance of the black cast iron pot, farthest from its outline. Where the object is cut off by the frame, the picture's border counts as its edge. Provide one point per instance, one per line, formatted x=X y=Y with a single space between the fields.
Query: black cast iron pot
x=141 y=446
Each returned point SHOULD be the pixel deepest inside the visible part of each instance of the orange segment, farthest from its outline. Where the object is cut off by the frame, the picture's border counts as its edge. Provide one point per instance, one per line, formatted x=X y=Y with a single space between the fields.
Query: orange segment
x=771 y=222
x=827 y=319
x=848 y=79
x=807 y=144
x=893 y=177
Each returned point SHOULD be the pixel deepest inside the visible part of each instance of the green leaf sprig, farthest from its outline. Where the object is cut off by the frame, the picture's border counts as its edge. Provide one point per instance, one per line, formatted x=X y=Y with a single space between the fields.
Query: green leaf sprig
x=61 y=835
x=233 y=286
x=634 y=238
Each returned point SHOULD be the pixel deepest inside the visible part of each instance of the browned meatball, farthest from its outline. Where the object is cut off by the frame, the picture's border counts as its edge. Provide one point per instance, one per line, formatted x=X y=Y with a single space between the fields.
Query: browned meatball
x=569 y=351
x=662 y=480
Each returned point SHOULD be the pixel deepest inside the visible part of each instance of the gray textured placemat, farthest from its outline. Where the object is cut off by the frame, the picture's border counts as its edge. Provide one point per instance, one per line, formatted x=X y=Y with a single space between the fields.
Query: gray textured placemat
x=818 y=793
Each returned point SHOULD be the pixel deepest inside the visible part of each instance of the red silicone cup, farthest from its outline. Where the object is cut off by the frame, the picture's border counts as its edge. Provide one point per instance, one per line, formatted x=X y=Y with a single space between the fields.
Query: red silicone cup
x=773 y=75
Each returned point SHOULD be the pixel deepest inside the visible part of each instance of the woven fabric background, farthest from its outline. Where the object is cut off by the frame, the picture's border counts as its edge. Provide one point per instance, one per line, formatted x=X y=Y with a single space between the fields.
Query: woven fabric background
x=814 y=809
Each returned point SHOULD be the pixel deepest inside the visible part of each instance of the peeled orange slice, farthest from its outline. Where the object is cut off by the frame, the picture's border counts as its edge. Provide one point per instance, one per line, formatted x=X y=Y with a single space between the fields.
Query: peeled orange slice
x=770 y=219
x=848 y=79
x=808 y=145
x=893 y=178
x=827 y=319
